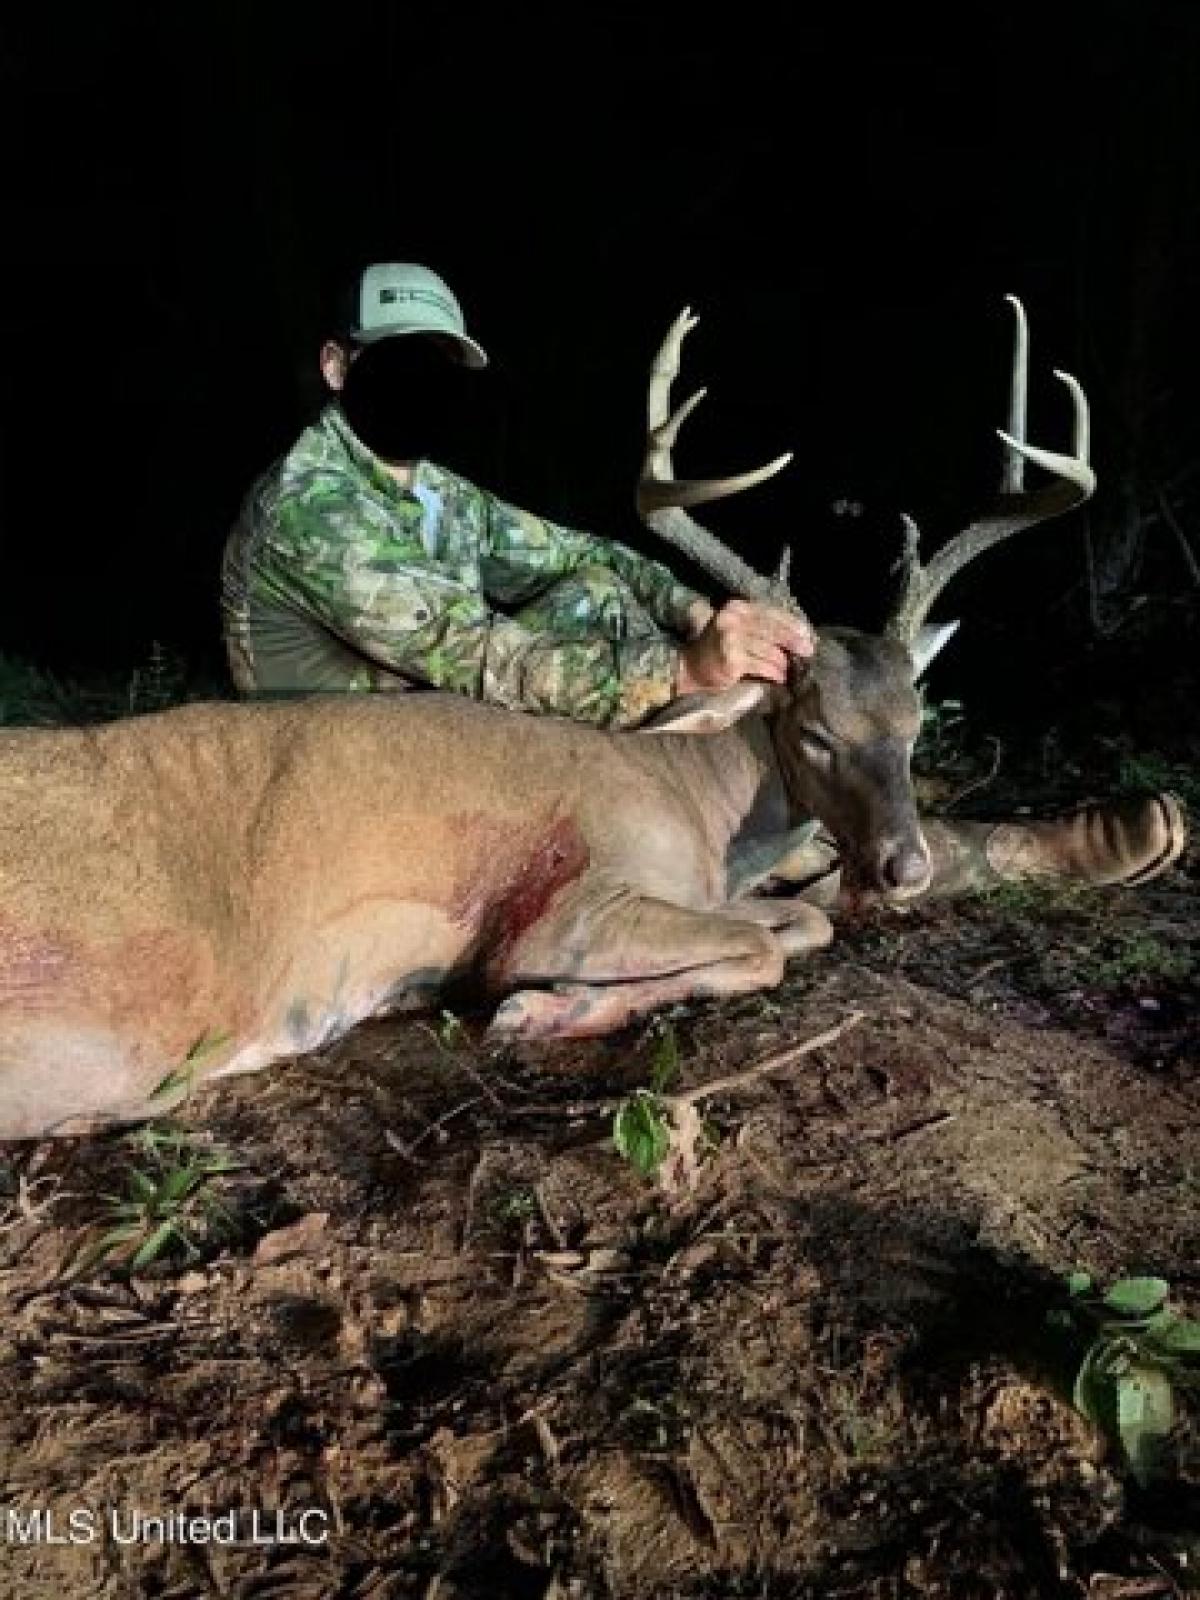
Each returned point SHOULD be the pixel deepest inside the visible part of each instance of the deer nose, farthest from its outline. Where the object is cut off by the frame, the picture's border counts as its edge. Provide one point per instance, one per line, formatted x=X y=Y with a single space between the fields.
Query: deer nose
x=904 y=869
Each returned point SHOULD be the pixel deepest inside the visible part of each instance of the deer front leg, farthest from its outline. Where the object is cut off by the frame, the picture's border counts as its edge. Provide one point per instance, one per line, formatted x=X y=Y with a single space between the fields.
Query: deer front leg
x=796 y=855
x=638 y=954
x=806 y=858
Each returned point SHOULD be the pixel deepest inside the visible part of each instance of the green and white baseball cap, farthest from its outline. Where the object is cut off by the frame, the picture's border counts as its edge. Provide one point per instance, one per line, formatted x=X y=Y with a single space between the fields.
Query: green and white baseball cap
x=398 y=297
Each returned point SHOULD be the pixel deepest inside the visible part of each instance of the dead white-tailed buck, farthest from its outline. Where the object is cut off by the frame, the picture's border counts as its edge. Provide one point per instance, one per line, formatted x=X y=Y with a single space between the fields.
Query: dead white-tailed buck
x=269 y=874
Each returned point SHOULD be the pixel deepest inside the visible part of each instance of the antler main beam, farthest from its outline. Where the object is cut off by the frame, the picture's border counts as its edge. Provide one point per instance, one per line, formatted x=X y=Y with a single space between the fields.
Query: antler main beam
x=1016 y=508
x=662 y=499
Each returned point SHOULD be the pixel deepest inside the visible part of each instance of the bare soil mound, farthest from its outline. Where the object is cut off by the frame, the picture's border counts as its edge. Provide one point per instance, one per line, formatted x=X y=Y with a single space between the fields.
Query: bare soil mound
x=437 y=1308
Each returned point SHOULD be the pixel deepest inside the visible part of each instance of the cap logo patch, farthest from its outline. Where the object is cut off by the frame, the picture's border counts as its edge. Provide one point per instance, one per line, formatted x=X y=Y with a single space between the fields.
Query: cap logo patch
x=427 y=297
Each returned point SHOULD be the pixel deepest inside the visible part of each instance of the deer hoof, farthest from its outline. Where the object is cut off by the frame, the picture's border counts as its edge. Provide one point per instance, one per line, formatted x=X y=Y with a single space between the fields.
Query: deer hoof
x=811 y=931
x=538 y=1014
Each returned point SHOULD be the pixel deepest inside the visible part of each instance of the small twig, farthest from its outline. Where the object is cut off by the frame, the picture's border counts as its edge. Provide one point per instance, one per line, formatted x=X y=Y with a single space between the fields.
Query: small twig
x=134 y=1336
x=24 y=1208
x=552 y=1227
x=530 y=1415
x=491 y=1058
x=406 y=1150
x=687 y=1136
x=546 y=1439
x=478 y=1079
x=775 y=1063
x=1167 y=512
x=939 y=1120
x=567 y=1108
x=472 y=1189
x=979 y=783
x=1168 y=1579
x=988 y=967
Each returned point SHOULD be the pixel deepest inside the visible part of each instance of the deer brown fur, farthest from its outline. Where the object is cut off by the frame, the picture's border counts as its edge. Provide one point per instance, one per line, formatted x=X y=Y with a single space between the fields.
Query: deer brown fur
x=258 y=878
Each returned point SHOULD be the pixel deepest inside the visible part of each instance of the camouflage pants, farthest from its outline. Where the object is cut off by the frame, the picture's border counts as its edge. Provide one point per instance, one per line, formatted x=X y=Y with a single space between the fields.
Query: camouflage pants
x=289 y=651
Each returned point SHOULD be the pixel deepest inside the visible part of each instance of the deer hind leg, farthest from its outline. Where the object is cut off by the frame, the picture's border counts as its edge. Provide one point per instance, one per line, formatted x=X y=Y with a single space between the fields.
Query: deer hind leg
x=644 y=954
x=794 y=918
x=58 y=1079
x=1125 y=842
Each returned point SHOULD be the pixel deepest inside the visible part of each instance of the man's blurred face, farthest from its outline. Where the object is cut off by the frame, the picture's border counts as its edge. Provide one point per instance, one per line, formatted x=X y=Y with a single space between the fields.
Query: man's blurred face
x=406 y=398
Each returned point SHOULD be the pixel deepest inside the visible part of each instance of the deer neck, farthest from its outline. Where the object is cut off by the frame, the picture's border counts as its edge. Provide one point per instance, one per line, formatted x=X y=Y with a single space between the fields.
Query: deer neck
x=733 y=780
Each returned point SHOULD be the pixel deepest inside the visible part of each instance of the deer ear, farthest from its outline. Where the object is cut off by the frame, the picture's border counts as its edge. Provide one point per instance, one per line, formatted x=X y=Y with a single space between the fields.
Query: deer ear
x=709 y=713
x=930 y=640
x=799 y=668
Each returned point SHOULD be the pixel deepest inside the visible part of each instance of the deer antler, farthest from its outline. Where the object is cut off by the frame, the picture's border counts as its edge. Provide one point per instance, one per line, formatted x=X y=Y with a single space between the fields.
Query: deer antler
x=662 y=498
x=1016 y=508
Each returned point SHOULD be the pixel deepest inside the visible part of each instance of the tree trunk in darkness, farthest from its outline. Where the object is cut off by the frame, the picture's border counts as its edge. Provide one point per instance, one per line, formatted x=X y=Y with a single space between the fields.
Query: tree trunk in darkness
x=1133 y=264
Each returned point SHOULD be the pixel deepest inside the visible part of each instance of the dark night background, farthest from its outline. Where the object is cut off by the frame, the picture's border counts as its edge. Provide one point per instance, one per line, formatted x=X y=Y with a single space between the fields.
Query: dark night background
x=845 y=198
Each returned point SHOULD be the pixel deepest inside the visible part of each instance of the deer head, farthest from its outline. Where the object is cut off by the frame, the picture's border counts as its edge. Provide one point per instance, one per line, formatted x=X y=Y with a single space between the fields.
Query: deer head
x=845 y=726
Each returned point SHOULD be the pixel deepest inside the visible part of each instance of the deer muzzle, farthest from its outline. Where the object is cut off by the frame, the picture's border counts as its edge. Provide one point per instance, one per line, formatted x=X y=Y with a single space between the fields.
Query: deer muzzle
x=902 y=867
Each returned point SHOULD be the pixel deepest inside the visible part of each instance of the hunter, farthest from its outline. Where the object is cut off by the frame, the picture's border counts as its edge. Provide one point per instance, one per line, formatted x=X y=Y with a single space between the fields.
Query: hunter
x=350 y=570
x=357 y=566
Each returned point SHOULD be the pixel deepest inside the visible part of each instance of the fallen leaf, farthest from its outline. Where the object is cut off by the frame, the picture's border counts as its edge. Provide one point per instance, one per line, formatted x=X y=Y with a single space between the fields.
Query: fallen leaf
x=293 y=1240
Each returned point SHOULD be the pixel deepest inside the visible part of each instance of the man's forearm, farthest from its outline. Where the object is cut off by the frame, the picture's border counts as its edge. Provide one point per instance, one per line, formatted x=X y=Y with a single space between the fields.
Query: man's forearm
x=590 y=679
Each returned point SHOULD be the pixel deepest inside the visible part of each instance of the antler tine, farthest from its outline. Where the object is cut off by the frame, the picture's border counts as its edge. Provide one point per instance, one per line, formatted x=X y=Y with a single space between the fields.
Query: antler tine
x=1017 y=507
x=1076 y=467
x=662 y=498
x=1013 y=480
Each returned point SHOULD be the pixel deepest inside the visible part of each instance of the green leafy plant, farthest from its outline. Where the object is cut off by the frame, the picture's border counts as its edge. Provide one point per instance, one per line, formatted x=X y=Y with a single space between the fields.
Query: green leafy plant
x=1145 y=771
x=448 y=1032
x=513 y=1207
x=1137 y=1353
x=183 y=1077
x=641 y=1132
x=1135 y=955
x=642 y=1126
x=162 y=682
x=1067 y=938
x=943 y=724
x=1026 y=900
x=31 y=696
x=166 y=1204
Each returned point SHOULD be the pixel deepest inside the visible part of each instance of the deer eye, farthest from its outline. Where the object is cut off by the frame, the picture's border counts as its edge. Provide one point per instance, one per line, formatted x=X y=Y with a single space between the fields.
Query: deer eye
x=817 y=747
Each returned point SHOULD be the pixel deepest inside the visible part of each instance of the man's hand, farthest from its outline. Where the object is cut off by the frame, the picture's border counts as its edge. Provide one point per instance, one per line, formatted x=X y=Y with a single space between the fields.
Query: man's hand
x=742 y=640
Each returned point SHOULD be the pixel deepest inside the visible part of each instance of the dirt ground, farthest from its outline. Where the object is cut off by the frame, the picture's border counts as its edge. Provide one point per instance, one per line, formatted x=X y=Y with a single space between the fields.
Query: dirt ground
x=441 y=1310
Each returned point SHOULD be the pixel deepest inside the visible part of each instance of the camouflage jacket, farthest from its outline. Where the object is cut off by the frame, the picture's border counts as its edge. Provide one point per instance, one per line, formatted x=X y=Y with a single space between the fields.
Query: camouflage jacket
x=337 y=577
